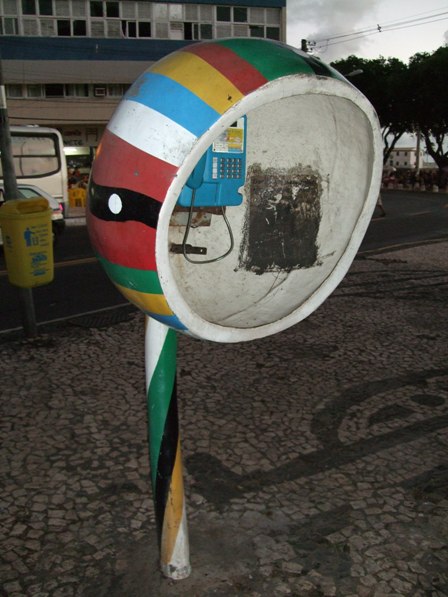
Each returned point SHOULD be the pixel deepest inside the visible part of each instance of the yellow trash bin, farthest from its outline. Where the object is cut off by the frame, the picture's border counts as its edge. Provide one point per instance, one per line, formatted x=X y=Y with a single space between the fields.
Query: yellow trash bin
x=27 y=241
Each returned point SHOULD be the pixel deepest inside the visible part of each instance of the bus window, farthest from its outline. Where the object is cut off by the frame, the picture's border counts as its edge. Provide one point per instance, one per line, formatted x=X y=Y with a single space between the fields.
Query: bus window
x=34 y=156
x=39 y=159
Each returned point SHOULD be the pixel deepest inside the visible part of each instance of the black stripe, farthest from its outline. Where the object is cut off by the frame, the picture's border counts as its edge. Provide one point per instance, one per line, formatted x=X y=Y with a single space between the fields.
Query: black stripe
x=166 y=461
x=135 y=206
x=318 y=67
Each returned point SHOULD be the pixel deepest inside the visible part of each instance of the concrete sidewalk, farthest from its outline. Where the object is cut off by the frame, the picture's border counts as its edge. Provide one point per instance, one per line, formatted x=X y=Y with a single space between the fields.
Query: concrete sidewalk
x=316 y=460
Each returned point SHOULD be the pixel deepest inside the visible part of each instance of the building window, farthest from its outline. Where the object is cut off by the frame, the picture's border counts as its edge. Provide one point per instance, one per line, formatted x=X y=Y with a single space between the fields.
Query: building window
x=204 y=31
x=256 y=31
x=54 y=90
x=96 y=9
x=34 y=91
x=129 y=28
x=45 y=7
x=10 y=26
x=144 y=29
x=63 y=28
x=188 y=30
x=223 y=13
x=226 y=14
x=77 y=90
x=79 y=28
x=28 y=7
x=112 y=9
x=240 y=14
x=137 y=19
x=14 y=91
x=115 y=90
x=273 y=33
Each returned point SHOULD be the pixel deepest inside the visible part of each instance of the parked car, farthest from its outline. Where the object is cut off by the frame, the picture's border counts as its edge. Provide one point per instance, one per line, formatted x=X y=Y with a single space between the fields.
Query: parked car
x=27 y=191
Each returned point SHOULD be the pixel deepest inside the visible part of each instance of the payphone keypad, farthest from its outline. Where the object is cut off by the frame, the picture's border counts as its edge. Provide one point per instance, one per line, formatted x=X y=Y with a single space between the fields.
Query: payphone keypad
x=225 y=167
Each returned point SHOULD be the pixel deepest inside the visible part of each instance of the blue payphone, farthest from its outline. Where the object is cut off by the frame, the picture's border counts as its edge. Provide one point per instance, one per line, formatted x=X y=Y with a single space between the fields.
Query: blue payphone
x=220 y=173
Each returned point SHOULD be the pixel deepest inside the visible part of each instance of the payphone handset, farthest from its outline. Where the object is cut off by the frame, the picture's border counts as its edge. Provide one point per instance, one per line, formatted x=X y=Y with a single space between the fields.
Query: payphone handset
x=220 y=173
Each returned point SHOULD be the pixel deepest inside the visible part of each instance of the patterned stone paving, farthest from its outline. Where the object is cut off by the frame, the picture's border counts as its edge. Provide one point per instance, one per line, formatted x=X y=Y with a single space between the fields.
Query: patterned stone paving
x=316 y=460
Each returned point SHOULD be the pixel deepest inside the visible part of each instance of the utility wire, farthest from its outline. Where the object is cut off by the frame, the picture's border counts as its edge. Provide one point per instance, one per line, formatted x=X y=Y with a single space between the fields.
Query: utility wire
x=394 y=25
x=326 y=45
x=386 y=25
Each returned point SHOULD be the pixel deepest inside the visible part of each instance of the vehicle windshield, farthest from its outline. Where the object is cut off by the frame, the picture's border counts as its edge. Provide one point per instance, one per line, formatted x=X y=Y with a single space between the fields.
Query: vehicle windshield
x=28 y=194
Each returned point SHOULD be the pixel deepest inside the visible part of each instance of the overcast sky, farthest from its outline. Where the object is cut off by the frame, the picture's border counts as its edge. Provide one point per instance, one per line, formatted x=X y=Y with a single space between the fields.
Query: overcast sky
x=321 y=19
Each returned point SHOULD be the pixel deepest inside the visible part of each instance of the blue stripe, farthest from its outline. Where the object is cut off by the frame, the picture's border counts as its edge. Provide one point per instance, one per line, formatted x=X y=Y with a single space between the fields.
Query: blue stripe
x=174 y=101
x=170 y=320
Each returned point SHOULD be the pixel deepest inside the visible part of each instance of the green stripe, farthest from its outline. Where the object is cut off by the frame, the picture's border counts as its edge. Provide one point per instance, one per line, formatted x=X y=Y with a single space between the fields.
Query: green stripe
x=135 y=279
x=274 y=60
x=159 y=396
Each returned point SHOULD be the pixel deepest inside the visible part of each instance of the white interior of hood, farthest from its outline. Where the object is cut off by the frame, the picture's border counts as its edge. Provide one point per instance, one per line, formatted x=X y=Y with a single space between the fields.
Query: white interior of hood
x=329 y=134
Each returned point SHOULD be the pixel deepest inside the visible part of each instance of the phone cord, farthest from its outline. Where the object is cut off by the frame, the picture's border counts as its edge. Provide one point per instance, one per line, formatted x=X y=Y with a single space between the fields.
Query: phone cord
x=187 y=232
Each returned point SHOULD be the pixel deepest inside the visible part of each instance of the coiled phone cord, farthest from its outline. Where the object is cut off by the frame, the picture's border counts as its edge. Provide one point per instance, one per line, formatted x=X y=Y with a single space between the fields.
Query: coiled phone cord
x=187 y=232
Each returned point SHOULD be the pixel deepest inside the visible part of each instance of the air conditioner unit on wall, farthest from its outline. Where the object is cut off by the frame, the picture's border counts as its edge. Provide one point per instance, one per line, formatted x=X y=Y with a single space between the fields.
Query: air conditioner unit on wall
x=99 y=91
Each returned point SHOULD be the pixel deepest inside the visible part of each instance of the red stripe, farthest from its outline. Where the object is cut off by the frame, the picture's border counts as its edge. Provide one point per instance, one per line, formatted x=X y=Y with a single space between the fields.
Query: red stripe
x=120 y=164
x=243 y=75
x=131 y=244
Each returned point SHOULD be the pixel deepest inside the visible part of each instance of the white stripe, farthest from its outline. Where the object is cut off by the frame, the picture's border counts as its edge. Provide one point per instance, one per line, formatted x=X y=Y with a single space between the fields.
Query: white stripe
x=154 y=340
x=152 y=132
x=179 y=565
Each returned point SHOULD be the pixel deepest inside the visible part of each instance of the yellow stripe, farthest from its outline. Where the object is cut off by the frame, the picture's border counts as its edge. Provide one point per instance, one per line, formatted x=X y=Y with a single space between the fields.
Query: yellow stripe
x=173 y=511
x=199 y=77
x=154 y=303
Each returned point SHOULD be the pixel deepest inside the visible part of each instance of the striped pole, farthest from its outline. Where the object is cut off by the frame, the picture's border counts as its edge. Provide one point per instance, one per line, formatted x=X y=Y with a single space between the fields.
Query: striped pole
x=164 y=448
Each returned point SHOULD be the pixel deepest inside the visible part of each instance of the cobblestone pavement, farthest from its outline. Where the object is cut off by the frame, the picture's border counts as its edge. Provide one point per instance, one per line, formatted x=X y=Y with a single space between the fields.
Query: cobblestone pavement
x=316 y=460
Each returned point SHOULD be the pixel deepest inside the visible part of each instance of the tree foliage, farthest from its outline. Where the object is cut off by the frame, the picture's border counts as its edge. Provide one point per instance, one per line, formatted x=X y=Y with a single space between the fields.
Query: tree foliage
x=428 y=90
x=407 y=98
x=384 y=81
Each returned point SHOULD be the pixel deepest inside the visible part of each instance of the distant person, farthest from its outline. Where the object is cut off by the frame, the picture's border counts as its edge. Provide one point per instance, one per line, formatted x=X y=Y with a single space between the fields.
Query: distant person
x=73 y=177
x=379 y=204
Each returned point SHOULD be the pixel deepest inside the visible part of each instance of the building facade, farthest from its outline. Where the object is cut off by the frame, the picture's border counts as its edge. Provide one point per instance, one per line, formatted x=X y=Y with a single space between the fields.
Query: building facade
x=405 y=157
x=67 y=63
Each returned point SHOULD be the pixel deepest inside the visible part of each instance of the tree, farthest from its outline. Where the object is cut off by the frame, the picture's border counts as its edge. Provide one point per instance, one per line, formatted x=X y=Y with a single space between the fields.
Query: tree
x=428 y=90
x=384 y=82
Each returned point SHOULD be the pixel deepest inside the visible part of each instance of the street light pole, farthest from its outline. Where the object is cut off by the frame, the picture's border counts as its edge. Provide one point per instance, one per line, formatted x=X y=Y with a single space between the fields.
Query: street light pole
x=9 y=177
x=11 y=192
x=417 y=163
